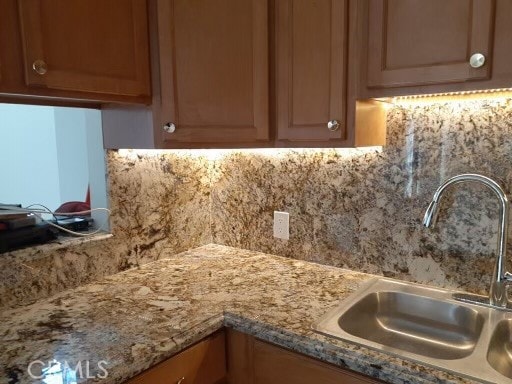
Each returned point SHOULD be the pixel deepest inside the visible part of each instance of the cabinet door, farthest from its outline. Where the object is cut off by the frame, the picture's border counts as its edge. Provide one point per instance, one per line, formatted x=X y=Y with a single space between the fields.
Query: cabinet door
x=214 y=70
x=86 y=45
x=311 y=50
x=203 y=363
x=252 y=361
x=274 y=365
x=415 y=42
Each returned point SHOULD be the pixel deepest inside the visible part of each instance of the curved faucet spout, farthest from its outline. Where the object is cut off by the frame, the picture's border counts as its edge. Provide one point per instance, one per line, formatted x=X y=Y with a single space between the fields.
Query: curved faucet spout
x=500 y=279
x=431 y=214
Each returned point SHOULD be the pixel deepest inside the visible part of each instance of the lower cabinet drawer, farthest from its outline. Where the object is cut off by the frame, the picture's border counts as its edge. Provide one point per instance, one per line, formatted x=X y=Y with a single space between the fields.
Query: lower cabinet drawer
x=203 y=363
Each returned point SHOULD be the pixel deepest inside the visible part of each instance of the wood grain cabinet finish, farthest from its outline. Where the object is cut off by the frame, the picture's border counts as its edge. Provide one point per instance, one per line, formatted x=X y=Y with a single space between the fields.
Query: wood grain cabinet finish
x=252 y=361
x=250 y=73
x=213 y=58
x=93 y=46
x=416 y=42
x=203 y=363
x=311 y=62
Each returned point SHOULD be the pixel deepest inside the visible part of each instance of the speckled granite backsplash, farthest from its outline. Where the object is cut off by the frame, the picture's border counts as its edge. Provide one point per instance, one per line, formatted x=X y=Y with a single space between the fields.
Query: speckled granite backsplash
x=360 y=209
x=363 y=211
x=160 y=206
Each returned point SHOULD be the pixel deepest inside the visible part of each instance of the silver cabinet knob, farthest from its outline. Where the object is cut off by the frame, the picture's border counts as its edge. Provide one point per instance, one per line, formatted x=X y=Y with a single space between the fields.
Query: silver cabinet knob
x=169 y=127
x=181 y=381
x=477 y=60
x=40 y=67
x=333 y=125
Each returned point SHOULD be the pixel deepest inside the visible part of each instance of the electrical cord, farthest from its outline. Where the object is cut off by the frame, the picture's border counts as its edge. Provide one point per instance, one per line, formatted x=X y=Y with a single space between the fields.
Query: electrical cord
x=44 y=206
x=39 y=213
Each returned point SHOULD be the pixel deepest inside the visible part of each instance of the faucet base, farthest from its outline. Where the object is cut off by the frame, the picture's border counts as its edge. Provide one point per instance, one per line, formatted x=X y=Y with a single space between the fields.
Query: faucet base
x=480 y=300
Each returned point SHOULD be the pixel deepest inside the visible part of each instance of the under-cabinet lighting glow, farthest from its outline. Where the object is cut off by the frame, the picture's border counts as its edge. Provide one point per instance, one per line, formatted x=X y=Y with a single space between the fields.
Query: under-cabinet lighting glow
x=133 y=153
x=215 y=154
x=502 y=93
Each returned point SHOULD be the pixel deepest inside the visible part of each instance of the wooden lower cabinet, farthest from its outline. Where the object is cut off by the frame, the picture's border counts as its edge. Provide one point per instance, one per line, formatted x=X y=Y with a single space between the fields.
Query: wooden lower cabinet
x=203 y=363
x=251 y=361
x=232 y=357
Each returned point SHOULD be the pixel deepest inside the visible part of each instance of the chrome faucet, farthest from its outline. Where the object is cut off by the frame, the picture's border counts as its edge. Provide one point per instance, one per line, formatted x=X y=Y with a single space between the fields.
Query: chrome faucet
x=501 y=278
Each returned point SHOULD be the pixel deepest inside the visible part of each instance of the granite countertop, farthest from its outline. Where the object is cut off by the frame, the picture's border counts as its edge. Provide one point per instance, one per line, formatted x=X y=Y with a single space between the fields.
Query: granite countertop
x=135 y=319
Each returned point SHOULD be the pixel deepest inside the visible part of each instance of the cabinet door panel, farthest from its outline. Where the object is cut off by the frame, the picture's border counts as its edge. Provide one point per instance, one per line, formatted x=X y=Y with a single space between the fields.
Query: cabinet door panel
x=214 y=70
x=252 y=361
x=415 y=42
x=88 y=45
x=274 y=365
x=311 y=68
x=203 y=363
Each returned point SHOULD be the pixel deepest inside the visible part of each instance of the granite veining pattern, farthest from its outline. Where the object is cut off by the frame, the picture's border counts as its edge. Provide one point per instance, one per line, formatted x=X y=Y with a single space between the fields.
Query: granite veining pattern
x=160 y=206
x=357 y=209
x=362 y=209
x=134 y=319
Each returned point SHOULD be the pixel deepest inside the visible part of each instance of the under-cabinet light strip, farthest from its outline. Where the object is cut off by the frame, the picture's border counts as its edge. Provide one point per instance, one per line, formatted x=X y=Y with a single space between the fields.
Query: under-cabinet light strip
x=214 y=154
x=483 y=93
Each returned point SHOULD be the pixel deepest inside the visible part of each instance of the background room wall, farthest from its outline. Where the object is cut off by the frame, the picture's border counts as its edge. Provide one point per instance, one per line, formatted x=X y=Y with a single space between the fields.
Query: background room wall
x=72 y=156
x=44 y=154
x=28 y=156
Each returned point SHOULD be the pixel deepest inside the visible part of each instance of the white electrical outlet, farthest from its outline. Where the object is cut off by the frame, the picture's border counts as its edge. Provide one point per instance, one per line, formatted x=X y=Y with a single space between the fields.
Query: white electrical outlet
x=282 y=225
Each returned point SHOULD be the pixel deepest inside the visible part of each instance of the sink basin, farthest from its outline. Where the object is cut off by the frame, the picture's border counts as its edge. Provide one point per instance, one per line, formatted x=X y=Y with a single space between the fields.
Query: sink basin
x=499 y=354
x=415 y=324
x=426 y=325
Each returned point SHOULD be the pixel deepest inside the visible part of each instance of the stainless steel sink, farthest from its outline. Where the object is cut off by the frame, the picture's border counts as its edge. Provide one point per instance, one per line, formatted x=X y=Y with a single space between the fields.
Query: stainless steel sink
x=426 y=325
x=499 y=354
x=413 y=323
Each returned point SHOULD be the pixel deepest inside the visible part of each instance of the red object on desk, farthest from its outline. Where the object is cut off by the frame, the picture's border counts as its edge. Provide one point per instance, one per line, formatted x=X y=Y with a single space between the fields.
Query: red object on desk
x=77 y=206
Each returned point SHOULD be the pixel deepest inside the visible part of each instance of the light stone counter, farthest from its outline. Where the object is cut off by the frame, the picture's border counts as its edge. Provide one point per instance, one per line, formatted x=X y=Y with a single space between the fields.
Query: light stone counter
x=135 y=319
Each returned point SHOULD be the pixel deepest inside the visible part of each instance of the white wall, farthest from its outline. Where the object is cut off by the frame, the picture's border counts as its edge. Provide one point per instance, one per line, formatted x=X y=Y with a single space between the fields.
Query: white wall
x=50 y=155
x=97 y=167
x=71 y=139
x=28 y=162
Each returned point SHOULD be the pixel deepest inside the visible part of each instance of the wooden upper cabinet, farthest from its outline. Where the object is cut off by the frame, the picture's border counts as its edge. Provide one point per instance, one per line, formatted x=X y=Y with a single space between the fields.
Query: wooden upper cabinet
x=212 y=87
x=94 y=46
x=214 y=75
x=418 y=42
x=311 y=57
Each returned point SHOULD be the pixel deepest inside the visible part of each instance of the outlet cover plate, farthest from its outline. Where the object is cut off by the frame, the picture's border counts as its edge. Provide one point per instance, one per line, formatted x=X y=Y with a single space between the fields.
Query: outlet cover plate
x=282 y=225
